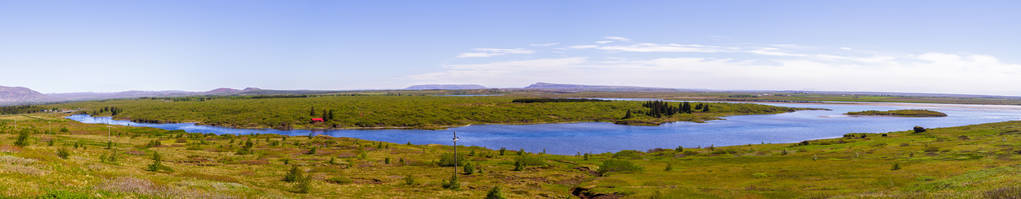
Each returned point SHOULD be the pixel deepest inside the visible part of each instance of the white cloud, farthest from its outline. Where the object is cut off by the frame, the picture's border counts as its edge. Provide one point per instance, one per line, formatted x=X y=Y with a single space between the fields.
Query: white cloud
x=545 y=44
x=766 y=67
x=926 y=72
x=583 y=46
x=654 y=47
x=618 y=38
x=489 y=52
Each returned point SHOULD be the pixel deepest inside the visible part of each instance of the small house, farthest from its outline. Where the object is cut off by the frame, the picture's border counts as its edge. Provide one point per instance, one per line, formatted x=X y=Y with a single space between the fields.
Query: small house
x=317 y=120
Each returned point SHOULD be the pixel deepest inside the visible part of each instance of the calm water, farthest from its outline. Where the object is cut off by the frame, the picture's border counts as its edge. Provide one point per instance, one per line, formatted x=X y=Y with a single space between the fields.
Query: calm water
x=597 y=137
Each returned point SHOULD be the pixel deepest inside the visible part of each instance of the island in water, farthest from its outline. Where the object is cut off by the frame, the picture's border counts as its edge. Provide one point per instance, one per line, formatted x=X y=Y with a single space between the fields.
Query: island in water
x=900 y=113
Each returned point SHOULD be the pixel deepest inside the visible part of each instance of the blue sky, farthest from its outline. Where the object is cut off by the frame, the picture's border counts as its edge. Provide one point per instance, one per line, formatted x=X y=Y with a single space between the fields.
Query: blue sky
x=905 y=46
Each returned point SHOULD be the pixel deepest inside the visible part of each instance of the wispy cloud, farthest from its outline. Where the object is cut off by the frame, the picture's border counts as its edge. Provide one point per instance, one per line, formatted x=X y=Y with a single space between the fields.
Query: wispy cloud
x=767 y=67
x=654 y=47
x=489 y=52
x=545 y=44
x=618 y=38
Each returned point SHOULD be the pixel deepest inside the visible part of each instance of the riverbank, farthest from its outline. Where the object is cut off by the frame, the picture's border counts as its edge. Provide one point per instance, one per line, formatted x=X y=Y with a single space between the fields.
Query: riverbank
x=974 y=160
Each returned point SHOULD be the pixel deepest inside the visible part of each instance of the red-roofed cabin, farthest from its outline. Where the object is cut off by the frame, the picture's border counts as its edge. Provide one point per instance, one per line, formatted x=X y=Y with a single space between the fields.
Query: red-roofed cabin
x=317 y=120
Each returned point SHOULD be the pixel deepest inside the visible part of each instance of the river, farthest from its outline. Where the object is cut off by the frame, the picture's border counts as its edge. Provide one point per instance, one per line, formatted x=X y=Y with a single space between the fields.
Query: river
x=600 y=137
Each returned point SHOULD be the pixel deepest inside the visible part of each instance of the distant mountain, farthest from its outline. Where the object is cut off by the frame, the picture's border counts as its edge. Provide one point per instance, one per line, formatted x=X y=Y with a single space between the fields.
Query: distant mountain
x=445 y=87
x=21 y=95
x=580 y=87
x=16 y=95
x=223 y=91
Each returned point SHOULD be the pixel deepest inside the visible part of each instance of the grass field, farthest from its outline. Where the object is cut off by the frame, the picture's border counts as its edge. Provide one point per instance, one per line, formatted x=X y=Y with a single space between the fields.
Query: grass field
x=427 y=112
x=900 y=113
x=977 y=161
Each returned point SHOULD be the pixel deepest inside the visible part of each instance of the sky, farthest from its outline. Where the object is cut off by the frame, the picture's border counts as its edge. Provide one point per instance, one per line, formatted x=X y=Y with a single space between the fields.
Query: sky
x=894 y=46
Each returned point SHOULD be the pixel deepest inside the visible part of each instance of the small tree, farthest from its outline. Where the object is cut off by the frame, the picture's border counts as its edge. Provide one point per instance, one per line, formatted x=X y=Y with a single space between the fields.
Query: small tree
x=518 y=166
x=468 y=168
x=896 y=166
x=669 y=167
x=919 y=129
x=157 y=163
x=495 y=193
x=22 y=139
x=679 y=149
x=63 y=153
x=502 y=150
x=293 y=175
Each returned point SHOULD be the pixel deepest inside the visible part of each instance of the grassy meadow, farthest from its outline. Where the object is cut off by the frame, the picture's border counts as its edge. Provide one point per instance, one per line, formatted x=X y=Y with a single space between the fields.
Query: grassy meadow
x=387 y=111
x=47 y=156
x=900 y=113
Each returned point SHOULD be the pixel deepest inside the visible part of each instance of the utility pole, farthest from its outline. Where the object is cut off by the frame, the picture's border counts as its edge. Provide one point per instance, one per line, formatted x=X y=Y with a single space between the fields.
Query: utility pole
x=455 y=156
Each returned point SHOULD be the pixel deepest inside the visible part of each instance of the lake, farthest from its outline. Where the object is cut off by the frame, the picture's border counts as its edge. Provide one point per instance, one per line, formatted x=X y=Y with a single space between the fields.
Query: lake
x=600 y=137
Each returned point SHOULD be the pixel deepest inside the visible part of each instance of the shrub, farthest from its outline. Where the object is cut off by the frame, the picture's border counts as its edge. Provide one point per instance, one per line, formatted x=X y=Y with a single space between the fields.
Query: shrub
x=495 y=193
x=447 y=160
x=931 y=149
x=518 y=166
x=409 y=180
x=468 y=168
x=157 y=163
x=63 y=130
x=339 y=180
x=503 y=150
x=679 y=149
x=153 y=143
x=628 y=154
x=304 y=184
x=669 y=167
x=531 y=161
x=22 y=139
x=896 y=166
x=452 y=184
x=919 y=129
x=63 y=153
x=615 y=165
x=293 y=175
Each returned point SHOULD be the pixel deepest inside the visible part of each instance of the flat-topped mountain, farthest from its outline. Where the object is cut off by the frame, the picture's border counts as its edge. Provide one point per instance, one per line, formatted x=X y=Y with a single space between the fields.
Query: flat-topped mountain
x=445 y=87
x=581 y=87
x=10 y=95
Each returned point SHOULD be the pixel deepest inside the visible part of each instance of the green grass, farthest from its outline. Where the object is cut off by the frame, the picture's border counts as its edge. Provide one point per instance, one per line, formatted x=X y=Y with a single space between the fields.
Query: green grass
x=900 y=113
x=426 y=112
x=969 y=161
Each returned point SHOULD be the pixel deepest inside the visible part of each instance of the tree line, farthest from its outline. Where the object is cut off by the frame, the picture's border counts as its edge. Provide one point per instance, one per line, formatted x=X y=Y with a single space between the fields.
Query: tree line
x=661 y=108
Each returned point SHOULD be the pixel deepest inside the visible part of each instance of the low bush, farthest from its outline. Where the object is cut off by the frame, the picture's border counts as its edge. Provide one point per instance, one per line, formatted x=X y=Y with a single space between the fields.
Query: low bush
x=614 y=165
